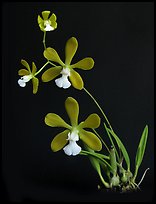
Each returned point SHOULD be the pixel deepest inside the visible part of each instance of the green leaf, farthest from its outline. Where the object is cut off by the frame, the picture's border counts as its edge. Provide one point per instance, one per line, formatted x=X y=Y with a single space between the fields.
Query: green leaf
x=141 y=147
x=122 y=147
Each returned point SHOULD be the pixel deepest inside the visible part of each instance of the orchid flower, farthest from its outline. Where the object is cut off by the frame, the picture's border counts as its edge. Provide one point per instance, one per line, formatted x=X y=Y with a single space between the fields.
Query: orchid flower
x=68 y=138
x=27 y=75
x=47 y=24
x=66 y=69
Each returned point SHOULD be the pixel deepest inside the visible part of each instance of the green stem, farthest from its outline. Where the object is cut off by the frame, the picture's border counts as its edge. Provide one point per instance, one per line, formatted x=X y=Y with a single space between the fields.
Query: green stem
x=44 y=36
x=101 y=139
x=98 y=107
x=42 y=68
x=52 y=63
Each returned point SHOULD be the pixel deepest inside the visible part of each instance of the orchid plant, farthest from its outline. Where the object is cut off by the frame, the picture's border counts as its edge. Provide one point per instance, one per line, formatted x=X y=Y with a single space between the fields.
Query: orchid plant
x=112 y=163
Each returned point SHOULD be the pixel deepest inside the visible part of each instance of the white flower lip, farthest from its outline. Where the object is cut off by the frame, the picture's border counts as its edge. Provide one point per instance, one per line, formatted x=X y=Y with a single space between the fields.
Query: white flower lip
x=72 y=148
x=48 y=26
x=22 y=81
x=63 y=81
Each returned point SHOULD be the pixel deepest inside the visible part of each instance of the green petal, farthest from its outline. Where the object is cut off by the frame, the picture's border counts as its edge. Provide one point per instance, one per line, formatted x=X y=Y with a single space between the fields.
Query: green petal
x=54 y=24
x=51 y=54
x=51 y=73
x=70 y=49
x=35 y=82
x=93 y=121
x=34 y=69
x=39 y=19
x=85 y=64
x=53 y=17
x=23 y=72
x=45 y=14
x=76 y=80
x=55 y=120
x=26 y=65
x=72 y=108
x=59 y=141
x=91 y=140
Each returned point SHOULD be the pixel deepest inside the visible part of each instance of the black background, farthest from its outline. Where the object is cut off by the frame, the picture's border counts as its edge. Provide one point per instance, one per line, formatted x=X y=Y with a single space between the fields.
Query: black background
x=120 y=39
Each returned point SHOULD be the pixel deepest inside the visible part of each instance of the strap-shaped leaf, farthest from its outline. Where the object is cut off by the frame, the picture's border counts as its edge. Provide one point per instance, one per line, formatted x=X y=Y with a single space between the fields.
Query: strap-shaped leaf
x=122 y=147
x=141 y=147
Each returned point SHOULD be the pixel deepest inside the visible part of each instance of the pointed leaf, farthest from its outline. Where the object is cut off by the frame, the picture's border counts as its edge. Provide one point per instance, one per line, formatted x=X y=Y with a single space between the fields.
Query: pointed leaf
x=51 y=54
x=141 y=147
x=72 y=108
x=59 y=141
x=70 y=50
x=76 y=80
x=23 y=72
x=122 y=147
x=85 y=64
x=55 y=120
x=90 y=139
x=51 y=73
x=92 y=121
x=35 y=82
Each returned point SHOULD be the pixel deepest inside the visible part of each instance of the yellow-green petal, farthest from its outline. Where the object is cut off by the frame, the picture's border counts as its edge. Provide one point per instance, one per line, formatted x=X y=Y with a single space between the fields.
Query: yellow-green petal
x=45 y=14
x=54 y=24
x=23 y=72
x=25 y=63
x=92 y=121
x=72 y=108
x=54 y=120
x=76 y=80
x=35 y=82
x=39 y=19
x=85 y=64
x=51 y=54
x=53 y=17
x=90 y=139
x=59 y=141
x=70 y=50
x=51 y=73
x=34 y=69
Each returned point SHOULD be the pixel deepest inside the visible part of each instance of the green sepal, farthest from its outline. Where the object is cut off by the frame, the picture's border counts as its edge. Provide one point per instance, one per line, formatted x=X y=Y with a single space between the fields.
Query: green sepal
x=35 y=82
x=54 y=120
x=72 y=108
x=70 y=50
x=85 y=64
x=59 y=141
x=90 y=139
x=92 y=121
x=76 y=80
